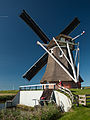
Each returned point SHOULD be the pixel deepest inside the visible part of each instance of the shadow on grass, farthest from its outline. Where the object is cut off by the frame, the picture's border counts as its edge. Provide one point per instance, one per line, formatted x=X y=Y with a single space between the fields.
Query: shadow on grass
x=88 y=106
x=73 y=91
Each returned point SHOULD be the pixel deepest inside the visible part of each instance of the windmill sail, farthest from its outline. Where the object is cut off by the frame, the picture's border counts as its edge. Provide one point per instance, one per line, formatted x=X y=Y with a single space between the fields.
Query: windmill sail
x=70 y=27
x=36 y=67
x=34 y=26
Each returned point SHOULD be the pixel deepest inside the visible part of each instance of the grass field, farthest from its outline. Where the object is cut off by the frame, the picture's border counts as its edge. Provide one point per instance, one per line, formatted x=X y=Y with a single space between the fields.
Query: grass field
x=76 y=113
x=8 y=92
x=80 y=91
x=7 y=95
x=74 y=91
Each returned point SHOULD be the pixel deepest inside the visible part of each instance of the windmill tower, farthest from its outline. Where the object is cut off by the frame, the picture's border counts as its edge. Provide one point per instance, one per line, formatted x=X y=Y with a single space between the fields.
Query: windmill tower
x=58 y=57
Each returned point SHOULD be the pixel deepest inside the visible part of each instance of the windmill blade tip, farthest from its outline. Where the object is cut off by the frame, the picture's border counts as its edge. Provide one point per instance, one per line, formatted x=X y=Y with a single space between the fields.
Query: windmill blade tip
x=38 y=42
x=24 y=10
x=77 y=18
x=83 y=32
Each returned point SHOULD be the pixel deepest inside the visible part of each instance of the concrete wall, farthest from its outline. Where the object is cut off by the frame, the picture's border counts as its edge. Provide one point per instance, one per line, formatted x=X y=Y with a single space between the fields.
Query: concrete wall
x=27 y=97
x=63 y=101
x=16 y=99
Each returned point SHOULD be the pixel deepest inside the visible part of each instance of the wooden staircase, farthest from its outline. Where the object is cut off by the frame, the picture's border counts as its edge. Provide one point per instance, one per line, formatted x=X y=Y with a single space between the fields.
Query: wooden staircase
x=47 y=94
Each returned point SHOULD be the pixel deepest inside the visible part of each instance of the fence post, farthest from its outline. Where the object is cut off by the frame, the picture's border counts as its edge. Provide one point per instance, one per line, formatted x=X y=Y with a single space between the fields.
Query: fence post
x=82 y=99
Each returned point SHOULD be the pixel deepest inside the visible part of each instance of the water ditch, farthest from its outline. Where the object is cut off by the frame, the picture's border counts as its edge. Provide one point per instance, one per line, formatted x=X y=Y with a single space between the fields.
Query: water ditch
x=2 y=105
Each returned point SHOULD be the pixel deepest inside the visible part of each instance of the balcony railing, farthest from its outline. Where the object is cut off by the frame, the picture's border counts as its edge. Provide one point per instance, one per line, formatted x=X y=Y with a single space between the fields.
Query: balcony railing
x=38 y=87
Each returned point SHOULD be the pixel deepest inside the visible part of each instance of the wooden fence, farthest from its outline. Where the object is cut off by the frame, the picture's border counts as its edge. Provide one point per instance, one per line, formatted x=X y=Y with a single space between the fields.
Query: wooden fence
x=84 y=99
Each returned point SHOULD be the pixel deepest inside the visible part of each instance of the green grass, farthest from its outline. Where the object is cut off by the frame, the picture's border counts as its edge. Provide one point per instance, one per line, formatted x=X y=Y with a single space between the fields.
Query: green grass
x=77 y=113
x=80 y=91
x=9 y=91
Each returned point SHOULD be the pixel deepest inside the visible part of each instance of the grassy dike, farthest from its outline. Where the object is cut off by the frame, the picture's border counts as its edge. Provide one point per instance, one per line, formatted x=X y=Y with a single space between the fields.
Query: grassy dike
x=7 y=95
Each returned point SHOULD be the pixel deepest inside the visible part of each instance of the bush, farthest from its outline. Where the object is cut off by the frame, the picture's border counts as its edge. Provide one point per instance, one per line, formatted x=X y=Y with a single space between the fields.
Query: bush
x=50 y=112
x=4 y=98
x=24 y=107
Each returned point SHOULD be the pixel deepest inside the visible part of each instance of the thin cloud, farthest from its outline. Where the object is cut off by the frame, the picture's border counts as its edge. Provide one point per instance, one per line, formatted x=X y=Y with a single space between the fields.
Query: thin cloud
x=3 y=16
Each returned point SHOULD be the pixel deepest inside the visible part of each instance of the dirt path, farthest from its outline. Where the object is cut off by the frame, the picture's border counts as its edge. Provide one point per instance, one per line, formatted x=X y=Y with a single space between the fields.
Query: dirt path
x=2 y=94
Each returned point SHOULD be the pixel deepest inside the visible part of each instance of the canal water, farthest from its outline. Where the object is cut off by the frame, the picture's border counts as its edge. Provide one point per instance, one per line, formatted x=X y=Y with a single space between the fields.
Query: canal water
x=2 y=105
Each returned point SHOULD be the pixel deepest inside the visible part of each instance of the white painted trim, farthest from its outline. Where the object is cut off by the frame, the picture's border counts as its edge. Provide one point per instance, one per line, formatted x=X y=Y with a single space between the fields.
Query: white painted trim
x=78 y=67
x=73 y=68
x=78 y=36
x=56 y=60
x=67 y=91
x=63 y=101
x=76 y=54
x=36 y=85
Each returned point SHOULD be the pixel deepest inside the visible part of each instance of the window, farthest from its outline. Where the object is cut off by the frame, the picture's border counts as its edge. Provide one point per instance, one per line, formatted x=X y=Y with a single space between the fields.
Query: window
x=61 y=54
x=52 y=51
x=62 y=39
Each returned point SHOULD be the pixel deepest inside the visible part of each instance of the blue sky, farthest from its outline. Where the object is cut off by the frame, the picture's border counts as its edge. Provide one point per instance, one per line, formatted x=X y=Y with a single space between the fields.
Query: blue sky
x=18 y=48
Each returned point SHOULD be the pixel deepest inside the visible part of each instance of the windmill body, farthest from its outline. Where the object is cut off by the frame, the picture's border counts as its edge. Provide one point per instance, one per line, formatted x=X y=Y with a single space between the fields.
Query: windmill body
x=54 y=72
x=66 y=70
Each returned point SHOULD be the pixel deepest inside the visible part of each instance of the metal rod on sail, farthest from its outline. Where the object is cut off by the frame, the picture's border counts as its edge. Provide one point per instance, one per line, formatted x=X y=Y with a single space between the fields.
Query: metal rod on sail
x=73 y=68
x=78 y=36
x=76 y=54
x=78 y=67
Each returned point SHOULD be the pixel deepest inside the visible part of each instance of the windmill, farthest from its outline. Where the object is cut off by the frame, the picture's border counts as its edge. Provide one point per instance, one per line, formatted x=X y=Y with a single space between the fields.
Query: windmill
x=58 y=56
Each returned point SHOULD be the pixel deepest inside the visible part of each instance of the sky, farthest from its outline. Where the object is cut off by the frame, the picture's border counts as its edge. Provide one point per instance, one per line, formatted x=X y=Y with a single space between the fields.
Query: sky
x=18 y=47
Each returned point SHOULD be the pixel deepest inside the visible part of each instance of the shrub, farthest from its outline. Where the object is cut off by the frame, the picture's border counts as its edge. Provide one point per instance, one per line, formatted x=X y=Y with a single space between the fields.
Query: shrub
x=50 y=112
x=6 y=97
x=24 y=107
